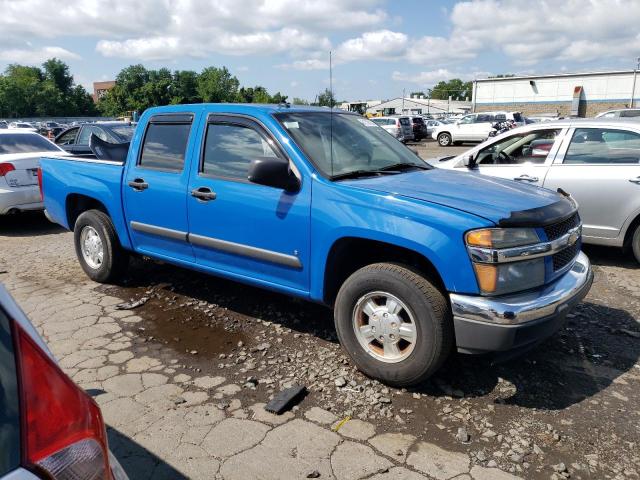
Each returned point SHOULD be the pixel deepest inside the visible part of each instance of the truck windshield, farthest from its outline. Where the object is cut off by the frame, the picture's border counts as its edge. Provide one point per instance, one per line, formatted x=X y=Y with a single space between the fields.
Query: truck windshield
x=347 y=143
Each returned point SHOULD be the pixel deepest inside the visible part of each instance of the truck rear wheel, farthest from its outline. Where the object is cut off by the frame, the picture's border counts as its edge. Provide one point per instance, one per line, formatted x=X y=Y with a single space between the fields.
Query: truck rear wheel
x=98 y=248
x=393 y=323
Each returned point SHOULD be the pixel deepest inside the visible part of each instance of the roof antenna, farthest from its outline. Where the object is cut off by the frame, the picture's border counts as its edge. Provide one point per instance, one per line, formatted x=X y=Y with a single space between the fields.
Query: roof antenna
x=331 y=110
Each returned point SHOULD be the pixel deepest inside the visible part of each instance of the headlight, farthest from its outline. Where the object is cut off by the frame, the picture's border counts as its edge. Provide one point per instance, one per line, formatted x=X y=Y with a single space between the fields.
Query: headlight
x=502 y=237
x=498 y=260
x=509 y=277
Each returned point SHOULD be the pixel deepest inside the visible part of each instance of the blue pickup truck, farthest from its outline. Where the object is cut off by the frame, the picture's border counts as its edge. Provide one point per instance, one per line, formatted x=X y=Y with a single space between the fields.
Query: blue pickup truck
x=329 y=207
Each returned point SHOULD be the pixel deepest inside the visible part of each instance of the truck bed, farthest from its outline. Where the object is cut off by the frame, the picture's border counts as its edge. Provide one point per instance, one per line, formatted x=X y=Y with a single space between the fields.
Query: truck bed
x=66 y=178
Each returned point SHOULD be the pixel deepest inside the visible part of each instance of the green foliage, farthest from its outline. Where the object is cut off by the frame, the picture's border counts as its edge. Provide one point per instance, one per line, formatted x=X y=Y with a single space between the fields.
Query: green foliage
x=299 y=101
x=326 y=99
x=137 y=89
x=47 y=91
x=455 y=88
x=417 y=94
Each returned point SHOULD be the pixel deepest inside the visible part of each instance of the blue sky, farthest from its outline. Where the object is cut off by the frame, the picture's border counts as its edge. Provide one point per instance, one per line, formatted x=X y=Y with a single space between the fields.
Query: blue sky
x=380 y=47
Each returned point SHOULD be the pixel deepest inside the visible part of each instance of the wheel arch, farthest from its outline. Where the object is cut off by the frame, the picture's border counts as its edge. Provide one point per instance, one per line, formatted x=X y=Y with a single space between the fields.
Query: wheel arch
x=348 y=254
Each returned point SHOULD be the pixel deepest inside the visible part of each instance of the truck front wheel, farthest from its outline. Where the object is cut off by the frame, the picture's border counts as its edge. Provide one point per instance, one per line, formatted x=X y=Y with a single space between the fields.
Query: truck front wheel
x=393 y=323
x=98 y=248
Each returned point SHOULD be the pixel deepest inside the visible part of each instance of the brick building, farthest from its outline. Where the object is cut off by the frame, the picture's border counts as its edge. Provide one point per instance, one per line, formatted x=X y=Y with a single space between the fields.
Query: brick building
x=568 y=94
x=100 y=88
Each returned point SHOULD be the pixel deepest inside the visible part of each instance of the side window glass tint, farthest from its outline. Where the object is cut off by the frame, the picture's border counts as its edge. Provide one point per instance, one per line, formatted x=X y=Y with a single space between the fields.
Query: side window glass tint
x=602 y=145
x=164 y=146
x=532 y=147
x=85 y=133
x=229 y=150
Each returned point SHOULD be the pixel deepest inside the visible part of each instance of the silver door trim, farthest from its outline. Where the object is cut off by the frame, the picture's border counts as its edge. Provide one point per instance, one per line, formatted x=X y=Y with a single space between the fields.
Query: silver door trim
x=160 y=231
x=246 y=250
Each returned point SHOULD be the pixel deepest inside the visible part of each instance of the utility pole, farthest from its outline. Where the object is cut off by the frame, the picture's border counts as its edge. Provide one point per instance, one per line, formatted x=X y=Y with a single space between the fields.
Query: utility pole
x=633 y=88
x=403 y=95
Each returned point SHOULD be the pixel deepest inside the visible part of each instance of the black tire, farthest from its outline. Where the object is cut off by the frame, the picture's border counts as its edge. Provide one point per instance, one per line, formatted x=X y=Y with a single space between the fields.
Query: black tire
x=635 y=243
x=444 y=139
x=114 y=260
x=434 y=325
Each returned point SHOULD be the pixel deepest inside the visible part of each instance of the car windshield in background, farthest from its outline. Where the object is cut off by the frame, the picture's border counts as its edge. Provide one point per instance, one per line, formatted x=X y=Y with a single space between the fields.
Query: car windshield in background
x=358 y=144
x=25 y=143
x=125 y=132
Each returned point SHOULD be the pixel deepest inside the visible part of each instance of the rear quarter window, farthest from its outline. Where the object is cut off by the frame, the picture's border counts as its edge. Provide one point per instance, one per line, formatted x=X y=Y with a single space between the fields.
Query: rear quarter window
x=9 y=412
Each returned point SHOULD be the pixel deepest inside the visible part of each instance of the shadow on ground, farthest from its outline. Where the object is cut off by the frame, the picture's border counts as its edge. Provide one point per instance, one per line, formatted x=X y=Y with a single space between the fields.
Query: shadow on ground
x=137 y=461
x=579 y=361
x=27 y=224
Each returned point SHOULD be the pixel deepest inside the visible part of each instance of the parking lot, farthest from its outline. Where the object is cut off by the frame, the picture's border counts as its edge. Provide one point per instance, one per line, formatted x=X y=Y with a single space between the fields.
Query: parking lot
x=183 y=376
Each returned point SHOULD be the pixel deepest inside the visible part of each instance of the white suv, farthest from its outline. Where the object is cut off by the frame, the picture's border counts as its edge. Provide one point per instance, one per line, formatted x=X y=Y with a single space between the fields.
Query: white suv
x=473 y=128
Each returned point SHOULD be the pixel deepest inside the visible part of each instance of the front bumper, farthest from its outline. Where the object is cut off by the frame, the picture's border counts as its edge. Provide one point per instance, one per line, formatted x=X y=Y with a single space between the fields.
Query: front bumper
x=517 y=321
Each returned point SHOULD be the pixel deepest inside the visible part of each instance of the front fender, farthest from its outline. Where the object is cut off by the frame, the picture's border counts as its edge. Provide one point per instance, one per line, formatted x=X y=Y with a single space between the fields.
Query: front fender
x=433 y=231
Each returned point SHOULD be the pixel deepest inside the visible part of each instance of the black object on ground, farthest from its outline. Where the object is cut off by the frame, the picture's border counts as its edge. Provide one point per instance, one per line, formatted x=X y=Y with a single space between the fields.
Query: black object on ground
x=285 y=399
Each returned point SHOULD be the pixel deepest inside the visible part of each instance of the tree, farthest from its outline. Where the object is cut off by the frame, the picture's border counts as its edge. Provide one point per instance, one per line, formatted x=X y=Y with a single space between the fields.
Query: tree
x=417 y=94
x=326 y=99
x=455 y=88
x=217 y=85
x=299 y=101
x=185 y=87
x=57 y=72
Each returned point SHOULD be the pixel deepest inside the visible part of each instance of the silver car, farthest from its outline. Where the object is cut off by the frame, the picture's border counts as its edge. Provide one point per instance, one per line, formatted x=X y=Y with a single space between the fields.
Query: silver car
x=399 y=127
x=596 y=161
x=20 y=152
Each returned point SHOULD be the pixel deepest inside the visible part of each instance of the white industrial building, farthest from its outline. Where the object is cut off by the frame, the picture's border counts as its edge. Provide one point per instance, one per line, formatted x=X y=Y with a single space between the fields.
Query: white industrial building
x=566 y=94
x=419 y=106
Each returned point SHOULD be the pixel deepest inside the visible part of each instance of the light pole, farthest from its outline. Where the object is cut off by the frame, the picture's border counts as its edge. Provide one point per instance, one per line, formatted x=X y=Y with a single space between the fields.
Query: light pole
x=633 y=88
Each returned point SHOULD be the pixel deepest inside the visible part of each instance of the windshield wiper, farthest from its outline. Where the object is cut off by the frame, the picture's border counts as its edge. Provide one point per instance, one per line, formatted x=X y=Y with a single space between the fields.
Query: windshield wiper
x=444 y=159
x=405 y=166
x=362 y=173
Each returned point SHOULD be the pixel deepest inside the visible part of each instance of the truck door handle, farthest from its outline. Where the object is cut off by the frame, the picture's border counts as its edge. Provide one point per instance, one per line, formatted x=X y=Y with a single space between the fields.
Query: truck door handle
x=203 y=193
x=635 y=180
x=138 y=184
x=526 y=178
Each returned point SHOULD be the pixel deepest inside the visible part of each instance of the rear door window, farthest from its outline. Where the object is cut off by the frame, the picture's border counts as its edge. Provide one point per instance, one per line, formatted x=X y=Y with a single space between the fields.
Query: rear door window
x=68 y=138
x=165 y=146
x=405 y=121
x=87 y=130
x=603 y=146
x=9 y=408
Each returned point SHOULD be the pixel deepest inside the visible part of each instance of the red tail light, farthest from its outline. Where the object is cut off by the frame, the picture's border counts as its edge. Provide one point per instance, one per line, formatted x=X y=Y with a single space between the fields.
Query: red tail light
x=63 y=432
x=40 y=183
x=6 y=168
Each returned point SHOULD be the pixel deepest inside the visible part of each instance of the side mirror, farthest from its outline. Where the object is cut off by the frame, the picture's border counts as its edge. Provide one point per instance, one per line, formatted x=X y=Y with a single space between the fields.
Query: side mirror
x=273 y=172
x=470 y=161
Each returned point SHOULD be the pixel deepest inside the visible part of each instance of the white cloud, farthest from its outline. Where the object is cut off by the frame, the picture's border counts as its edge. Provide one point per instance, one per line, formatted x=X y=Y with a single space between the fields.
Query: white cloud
x=190 y=27
x=33 y=56
x=426 y=78
x=376 y=45
x=534 y=32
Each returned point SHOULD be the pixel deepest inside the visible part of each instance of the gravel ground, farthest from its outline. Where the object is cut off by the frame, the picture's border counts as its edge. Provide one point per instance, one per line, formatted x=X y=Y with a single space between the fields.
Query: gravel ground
x=182 y=379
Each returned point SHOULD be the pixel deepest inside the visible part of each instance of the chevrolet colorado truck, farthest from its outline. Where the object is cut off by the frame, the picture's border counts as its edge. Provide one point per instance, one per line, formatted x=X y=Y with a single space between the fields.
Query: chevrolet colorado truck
x=329 y=207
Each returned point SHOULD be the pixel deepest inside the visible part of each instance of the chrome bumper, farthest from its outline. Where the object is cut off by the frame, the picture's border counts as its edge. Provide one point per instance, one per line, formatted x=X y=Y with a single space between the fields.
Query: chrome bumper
x=514 y=320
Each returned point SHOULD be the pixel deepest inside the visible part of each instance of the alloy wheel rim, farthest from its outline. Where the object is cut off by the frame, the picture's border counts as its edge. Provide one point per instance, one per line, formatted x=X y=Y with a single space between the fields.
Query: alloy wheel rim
x=384 y=326
x=91 y=247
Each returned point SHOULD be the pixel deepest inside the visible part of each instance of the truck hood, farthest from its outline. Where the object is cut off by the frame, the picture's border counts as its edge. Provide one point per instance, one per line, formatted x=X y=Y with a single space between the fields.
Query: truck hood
x=504 y=202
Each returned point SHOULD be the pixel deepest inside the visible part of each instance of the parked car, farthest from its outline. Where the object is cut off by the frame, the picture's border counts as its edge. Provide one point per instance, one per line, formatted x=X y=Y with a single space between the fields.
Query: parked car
x=419 y=128
x=432 y=125
x=323 y=206
x=51 y=428
x=3 y=125
x=76 y=139
x=473 y=128
x=20 y=152
x=399 y=127
x=597 y=161
x=23 y=126
x=50 y=128
x=620 y=113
